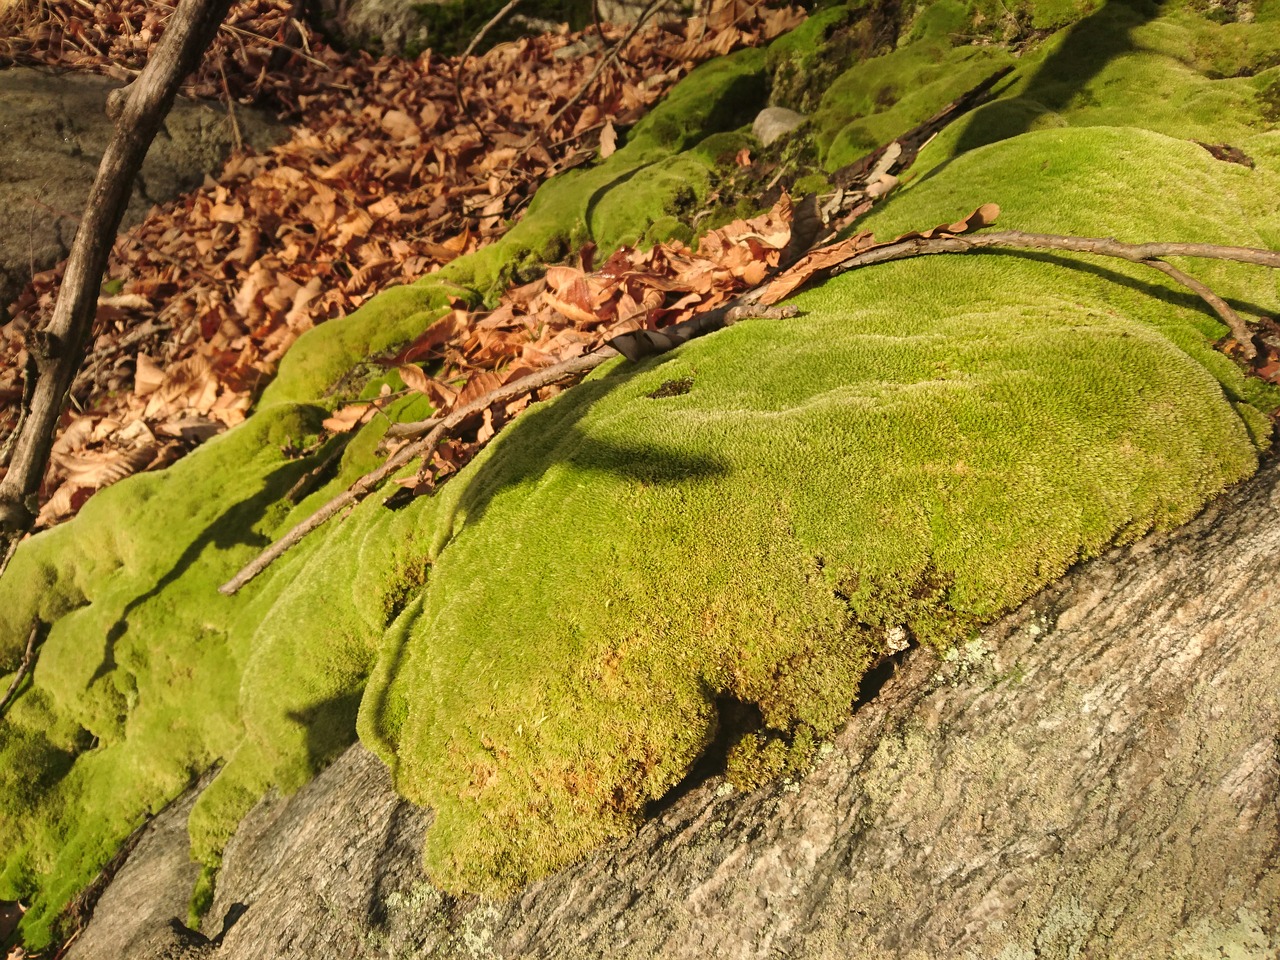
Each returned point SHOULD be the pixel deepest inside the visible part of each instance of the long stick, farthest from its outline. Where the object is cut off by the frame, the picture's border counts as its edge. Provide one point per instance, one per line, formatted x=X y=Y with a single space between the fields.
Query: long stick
x=59 y=348
x=1149 y=254
x=461 y=64
x=646 y=342
x=370 y=481
x=28 y=658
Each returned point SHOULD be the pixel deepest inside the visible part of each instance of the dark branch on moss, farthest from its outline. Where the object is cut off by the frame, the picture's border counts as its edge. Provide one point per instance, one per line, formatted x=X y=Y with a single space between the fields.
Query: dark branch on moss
x=1147 y=254
x=138 y=112
x=28 y=661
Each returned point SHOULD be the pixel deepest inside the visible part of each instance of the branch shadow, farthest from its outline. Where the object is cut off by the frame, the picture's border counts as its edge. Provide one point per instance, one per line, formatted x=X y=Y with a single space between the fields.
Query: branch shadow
x=542 y=437
x=1089 y=46
x=233 y=528
x=329 y=726
x=551 y=434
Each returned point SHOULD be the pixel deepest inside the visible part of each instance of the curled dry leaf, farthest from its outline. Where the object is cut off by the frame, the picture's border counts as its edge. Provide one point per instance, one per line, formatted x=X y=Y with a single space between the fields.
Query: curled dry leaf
x=345 y=419
x=824 y=259
x=608 y=140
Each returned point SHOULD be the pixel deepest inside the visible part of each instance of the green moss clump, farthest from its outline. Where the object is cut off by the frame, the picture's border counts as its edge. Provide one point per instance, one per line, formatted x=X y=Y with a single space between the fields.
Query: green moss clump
x=539 y=650
x=662 y=171
x=931 y=443
x=451 y=25
x=202 y=896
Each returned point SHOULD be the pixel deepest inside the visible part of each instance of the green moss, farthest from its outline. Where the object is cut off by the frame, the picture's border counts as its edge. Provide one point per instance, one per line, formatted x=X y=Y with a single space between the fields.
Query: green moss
x=202 y=896
x=450 y=26
x=538 y=652
x=931 y=443
x=1168 y=70
x=884 y=97
x=611 y=203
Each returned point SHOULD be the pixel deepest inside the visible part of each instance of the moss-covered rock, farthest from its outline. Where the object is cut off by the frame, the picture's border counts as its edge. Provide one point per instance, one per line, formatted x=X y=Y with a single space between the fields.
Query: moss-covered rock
x=929 y=445
x=538 y=650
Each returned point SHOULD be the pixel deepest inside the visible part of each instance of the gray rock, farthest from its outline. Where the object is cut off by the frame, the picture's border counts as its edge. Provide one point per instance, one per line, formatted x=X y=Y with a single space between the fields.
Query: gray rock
x=153 y=887
x=771 y=123
x=628 y=11
x=399 y=27
x=1095 y=776
x=53 y=132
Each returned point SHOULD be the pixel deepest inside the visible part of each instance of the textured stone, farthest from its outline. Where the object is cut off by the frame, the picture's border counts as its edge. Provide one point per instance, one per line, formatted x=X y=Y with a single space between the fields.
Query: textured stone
x=1096 y=775
x=772 y=123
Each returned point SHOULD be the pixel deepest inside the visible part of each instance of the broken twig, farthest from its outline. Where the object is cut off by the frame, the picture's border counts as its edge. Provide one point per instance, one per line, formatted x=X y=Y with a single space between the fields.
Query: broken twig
x=462 y=62
x=1148 y=254
x=28 y=660
x=60 y=346
x=411 y=451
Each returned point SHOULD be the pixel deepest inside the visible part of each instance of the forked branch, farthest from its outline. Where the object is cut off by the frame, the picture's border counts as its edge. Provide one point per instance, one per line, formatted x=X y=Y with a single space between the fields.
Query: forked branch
x=426 y=434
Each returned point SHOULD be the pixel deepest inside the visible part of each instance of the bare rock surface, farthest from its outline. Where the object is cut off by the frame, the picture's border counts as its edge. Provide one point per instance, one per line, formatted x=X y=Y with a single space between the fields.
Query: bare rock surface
x=1095 y=776
x=53 y=132
x=152 y=887
x=773 y=123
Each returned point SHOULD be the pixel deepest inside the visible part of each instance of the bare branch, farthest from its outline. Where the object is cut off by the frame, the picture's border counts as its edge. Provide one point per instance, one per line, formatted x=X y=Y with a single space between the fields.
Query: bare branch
x=462 y=63
x=28 y=660
x=1148 y=254
x=411 y=451
x=59 y=348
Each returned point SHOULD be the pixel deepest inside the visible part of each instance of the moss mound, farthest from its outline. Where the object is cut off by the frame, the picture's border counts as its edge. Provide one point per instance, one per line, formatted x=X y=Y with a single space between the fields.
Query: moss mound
x=540 y=651
x=929 y=445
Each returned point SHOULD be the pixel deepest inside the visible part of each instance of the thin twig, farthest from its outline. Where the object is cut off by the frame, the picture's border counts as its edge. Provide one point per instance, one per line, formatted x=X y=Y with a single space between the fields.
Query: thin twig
x=241 y=32
x=613 y=53
x=28 y=658
x=1235 y=323
x=462 y=62
x=409 y=452
x=60 y=345
x=231 y=110
x=1148 y=254
x=493 y=22
x=10 y=550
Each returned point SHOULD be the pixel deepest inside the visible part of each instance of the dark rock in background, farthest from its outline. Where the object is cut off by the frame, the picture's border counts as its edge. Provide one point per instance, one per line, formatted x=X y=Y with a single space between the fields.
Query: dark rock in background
x=53 y=131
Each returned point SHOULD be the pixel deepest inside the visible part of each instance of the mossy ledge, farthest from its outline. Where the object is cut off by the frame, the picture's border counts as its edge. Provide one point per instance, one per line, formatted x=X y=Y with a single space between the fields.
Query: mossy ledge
x=537 y=652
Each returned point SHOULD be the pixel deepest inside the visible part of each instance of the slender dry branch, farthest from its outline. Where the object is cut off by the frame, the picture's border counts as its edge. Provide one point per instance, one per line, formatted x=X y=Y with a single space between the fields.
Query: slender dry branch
x=1235 y=323
x=614 y=52
x=411 y=451
x=235 y=31
x=496 y=19
x=432 y=431
x=427 y=434
x=1148 y=254
x=59 y=348
x=462 y=62
x=28 y=660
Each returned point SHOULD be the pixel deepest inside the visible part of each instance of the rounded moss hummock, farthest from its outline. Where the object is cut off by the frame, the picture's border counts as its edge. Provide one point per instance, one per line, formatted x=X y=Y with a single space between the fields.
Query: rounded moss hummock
x=930 y=443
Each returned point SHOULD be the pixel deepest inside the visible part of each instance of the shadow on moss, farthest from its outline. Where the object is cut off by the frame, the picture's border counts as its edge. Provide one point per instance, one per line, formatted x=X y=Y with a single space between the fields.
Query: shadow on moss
x=1088 y=47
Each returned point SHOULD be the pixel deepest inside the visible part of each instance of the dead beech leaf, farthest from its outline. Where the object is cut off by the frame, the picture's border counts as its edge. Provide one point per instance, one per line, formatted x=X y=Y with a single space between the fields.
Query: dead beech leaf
x=400 y=126
x=73 y=437
x=125 y=301
x=345 y=419
x=96 y=469
x=608 y=140
x=62 y=504
x=984 y=216
x=478 y=385
x=808 y=266
x=415 y=379
x=147 y=376
x=227 y=212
